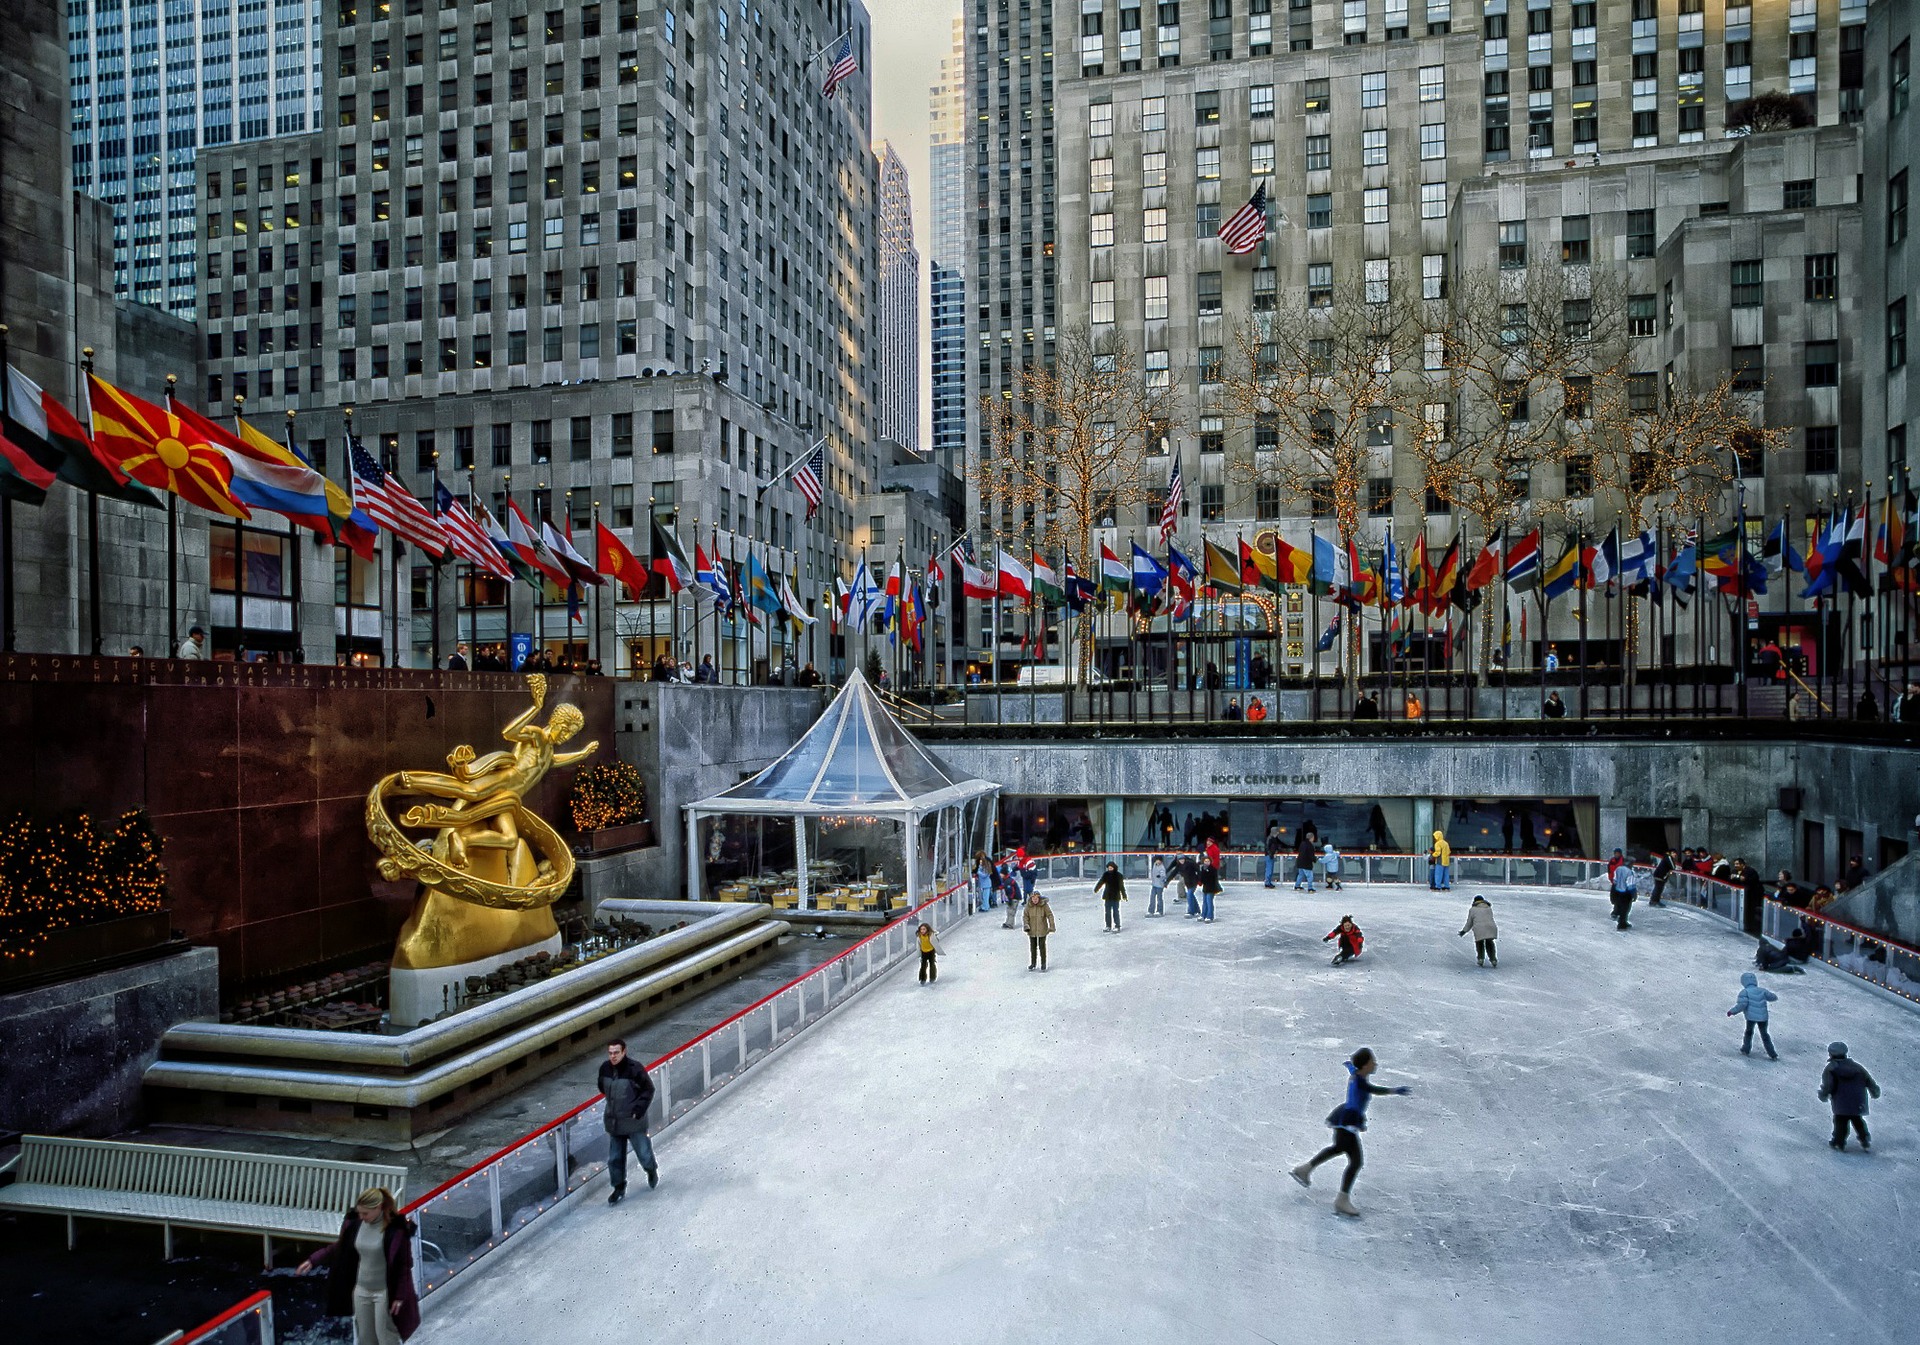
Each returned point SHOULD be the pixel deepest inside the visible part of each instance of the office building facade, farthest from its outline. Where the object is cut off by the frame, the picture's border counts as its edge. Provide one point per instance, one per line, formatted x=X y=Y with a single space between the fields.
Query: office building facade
x=898 y=292
x=947 y=253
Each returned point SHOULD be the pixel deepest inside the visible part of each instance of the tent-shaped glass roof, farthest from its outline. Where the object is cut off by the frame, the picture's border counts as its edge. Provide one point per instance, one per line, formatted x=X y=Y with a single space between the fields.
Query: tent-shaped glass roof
x=856 y=757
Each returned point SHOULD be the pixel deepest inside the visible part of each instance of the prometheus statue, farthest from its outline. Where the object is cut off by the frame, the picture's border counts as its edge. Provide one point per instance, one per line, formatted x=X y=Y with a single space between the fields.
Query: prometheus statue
x=493 y=869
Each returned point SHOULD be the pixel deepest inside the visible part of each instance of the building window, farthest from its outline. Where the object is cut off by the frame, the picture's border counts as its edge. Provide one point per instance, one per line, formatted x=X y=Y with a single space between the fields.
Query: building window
x=1207 y=165
x=1373 y=149
x=1373 y=205
x=1897 y=207
x=1897 y=334
x=1513 y=245
x=1373 y=89
x=1100 y=232
x=1154 y=290
x=1213 y=503
x=1433 y=140
x=1822 y=450
x=1899 y=80
x=1259 y=100
x=1823 y=364
x=1212 y=362
x=1319 y=284
x=1378 y=280
x=1797 y=195
x=663 y=431
x=1159 y=369
x=1749 y=368
x=1316 y=96
x=1153 y=113
x=1433 y=83
x=1153 y=224
x=1640 y=315
x=1260 y=159
x=1207 y=294
x=1100 y=174
x=1100 y=119
x=1319 y=153
x=1102 y=302
x=1207 y=217
x=1206 y=107
x=1320 y=210
x=1643 y=394
x=1433 y=200
x=1822 y=276
x=1640 y=240
x=1266 y=503
x=1433 y=275
x=1576 y=245
x=1213 y=434
x=1748 y=289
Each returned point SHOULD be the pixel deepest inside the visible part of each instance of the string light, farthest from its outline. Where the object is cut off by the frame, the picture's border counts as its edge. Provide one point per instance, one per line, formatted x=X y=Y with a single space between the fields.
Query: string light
x=607 y=795
x=68 y=872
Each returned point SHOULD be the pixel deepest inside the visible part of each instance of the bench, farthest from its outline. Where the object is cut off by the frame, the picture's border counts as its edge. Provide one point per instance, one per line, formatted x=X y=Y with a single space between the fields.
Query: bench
x=301 y=1198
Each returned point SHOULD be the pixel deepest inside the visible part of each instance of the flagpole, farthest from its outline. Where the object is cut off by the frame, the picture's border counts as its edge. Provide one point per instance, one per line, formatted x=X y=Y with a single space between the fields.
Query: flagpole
x=239 y=556
x=433 y=598
x=173 y=551
x=389 y=462
x=7 y=633
x=540 y=583
x=473 y=595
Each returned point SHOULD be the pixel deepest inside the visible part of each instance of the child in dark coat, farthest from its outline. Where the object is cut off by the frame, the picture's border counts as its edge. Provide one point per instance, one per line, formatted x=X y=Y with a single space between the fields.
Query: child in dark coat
x=1848 y=1084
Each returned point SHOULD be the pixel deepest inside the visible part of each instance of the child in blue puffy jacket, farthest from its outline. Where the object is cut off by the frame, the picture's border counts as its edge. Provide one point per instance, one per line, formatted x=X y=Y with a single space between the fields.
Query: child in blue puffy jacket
x=1754 y=999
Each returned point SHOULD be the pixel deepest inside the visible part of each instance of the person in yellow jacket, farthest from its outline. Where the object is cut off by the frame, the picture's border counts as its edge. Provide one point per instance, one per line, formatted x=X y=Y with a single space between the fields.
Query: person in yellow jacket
x=930 y=951
x=1441 y=857
x=1039 y=921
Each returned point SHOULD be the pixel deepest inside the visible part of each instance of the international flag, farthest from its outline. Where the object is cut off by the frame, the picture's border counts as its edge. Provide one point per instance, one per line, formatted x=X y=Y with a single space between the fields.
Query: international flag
x=1292 y=564
x=1080 y=592
x=1853 y=552
x=842 y=63
x=669 y=558
x=1115 y=577
x=532 y=552
x=1257 y=568
x=889 y=617
x=579 y=569
x=1325 y=574
x=1778 y=551
x=1244 y=230
x=1603 y=561
x=382 y=497
x=29 y=461
x=760 y=588
x=1046 y=582
x=468 y=540
x=1170 y=511
x=613 y=559
x=738 y=602
x=936 y=579
x=865 y=596
x=1181 y=575
x=151 y=444
x=1523 y=563
x=1148 y=577
x=268 y=475
x=1329 y=635
x=837 y=599
x=509 y=553
x=1223 y=570
x=810 y=478
x=1563 y=576
x=795 y=609
x=1442 y=576
x=1412 y=589
x=1683 y=572
x=1890 y=539
x=1011 y=578
x=706 y=573
x=1396 y=585
x=975 y=582
x=1486 y=566
x=1639 y=557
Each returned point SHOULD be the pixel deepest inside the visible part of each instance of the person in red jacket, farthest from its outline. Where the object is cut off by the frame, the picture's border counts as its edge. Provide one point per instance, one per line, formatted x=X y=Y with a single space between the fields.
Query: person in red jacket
x=1213 y=853
x=1351 y=940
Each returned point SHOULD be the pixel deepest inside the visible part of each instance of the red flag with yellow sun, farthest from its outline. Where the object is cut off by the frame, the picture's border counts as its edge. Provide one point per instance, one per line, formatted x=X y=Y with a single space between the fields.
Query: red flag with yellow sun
x=160 y=449
x=616 y=562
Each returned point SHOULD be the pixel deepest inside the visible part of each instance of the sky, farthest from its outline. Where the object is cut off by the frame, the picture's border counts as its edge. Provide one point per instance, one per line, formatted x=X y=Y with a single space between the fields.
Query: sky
x=909 y=38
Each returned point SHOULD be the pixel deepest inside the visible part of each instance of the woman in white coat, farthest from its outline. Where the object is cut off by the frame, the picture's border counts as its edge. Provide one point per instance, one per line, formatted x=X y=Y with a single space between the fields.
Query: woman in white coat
x=1480 y=922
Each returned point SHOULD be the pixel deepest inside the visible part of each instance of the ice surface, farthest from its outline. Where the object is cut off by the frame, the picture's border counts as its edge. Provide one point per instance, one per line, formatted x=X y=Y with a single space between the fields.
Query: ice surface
x=1099 y=1153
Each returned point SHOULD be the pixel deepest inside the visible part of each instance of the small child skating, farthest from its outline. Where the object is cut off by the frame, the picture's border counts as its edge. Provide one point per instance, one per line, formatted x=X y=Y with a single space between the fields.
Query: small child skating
x=1156 y=887
x=1754 y=999
x=1348 y=1120
x=1485 y=931
x=1351 y=940
x=1330 y=858
x=1848 y=1084
x=930 y=951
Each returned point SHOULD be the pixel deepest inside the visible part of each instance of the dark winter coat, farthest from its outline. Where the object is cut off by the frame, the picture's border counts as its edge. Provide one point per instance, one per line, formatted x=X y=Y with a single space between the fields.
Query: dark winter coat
x=1848 y=1084
x=1111 y=886
x=342 y=1260
x=1303 y=857
x=629 y=1092
x=1210 y=879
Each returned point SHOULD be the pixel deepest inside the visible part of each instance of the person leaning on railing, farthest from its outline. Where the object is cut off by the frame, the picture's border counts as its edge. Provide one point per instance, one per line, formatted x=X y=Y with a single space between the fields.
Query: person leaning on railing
x=370 y=1271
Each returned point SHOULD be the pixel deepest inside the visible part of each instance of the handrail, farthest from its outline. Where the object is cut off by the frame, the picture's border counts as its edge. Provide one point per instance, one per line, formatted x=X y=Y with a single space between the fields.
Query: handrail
x=261 y=1302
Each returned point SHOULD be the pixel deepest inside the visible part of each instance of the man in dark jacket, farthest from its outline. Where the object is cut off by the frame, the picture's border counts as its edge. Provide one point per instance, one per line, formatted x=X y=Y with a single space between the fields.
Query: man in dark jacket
x=1848 y=1085
x=1753 y=890
x=1662 y=870
x=1113 y=890
x=629 y=1092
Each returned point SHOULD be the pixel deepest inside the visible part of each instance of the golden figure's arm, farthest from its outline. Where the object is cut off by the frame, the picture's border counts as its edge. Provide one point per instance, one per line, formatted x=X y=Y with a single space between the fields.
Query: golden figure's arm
x=568 y=758
x=440 y=786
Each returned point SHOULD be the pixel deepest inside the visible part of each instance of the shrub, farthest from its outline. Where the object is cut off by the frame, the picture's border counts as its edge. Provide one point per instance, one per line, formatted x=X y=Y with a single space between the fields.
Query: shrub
x=61 y=873
x=609 y=794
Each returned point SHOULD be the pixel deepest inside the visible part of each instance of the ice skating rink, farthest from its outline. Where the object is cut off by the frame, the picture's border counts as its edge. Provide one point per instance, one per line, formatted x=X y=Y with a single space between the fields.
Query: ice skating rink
x=1099 y=1153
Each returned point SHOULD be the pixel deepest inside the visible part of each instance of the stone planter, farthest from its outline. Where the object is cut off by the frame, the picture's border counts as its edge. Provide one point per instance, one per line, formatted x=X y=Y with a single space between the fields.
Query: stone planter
x=627 y=836
x=70 y=951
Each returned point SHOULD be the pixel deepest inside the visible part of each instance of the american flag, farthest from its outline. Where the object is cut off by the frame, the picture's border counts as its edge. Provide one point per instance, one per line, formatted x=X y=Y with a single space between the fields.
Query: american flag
x=1170 y=511
x=1248 y=226
x=845 y=63
x=468 y=540
x=809 y=475
x=380 y=495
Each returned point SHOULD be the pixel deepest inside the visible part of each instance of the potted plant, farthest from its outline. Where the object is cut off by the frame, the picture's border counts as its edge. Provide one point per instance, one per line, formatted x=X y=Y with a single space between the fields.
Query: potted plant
x=609 y=806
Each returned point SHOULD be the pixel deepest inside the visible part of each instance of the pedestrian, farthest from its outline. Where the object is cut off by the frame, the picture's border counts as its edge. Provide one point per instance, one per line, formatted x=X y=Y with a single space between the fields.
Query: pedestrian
x=1554 y=708
x=1753 y=895
x=1303 y=864
x=1157 y=886
x=370 y=1271
x=1209 y=889
x=1190 y=880
x=1039 y=918
x=983 y=880
x=930 y=951
x=1442 y=857
x=1274 y=844
x=1351 y=940
x=1212 y=852
x=1622 y=889
x=1662 y=870
x=458 y=661
x=1754 y=999
x=194 y=646
x=1028 y=868
x=1330 y=858
x=1848 y=1085
x=624 y=1083
x=1348 y=1120
x=1112 y=890
x=1485 y=931
x=1009 y=895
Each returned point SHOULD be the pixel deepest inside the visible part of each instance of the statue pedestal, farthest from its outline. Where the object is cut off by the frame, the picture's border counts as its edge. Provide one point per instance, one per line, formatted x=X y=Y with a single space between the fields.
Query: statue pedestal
x=418 y=995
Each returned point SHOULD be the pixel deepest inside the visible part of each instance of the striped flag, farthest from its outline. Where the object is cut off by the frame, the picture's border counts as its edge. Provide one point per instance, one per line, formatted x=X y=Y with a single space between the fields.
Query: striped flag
x=382 y=497
x=844 y=64
x=1170 y=511
x=810 y=476
x=468 y=540
x=1246 y=228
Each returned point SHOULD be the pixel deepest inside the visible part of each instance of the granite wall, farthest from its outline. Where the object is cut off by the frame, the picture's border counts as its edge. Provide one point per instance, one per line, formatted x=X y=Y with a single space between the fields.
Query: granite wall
x=256 y=778
x=76 y=1050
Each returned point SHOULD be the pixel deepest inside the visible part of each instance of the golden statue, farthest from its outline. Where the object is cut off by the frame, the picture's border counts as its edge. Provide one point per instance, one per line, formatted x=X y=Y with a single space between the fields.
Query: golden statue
x=493 y=869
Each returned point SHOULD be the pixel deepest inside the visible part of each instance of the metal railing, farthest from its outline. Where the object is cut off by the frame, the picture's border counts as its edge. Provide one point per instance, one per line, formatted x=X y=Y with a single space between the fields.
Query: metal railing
x=463 y=1219
x=248 y=1322
x=1370 y=867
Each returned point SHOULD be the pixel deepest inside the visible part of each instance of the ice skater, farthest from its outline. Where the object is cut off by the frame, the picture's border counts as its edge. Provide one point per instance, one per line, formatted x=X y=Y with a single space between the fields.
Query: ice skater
x=1485 y=931
x=1440 y=878
x=1038 y=914
x=1330 y=858
x=1209 y=889
x=1303 y=864
x=628 y=1089
x=1623 y=889
x=1157 y=886
x=930 y=951
x=1351 y=940
x=1848 y=1084
x=1009 y=897
x=1348 y=1120
x=1190 y=880
x=1112 y=890
x=1754 y=999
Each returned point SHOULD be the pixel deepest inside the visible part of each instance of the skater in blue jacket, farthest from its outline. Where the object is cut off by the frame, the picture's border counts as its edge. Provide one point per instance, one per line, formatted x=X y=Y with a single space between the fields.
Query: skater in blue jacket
x=1348 y=1120
x=1754 y=999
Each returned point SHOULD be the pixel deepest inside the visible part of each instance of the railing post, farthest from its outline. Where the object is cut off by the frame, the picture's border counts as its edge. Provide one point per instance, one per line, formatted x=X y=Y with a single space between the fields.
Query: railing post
x=741 y=1027
x=560 y=1149
x=493 y=1196
x=706 y=1066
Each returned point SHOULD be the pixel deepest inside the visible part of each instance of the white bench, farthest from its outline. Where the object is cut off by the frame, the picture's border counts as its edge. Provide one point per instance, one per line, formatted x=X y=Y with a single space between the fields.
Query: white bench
x=302 y=1198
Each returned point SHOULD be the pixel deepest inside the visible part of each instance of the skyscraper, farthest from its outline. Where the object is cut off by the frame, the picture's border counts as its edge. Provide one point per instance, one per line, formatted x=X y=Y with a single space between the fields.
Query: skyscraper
x=947 y=255
x=898 y=359
x=151 y=85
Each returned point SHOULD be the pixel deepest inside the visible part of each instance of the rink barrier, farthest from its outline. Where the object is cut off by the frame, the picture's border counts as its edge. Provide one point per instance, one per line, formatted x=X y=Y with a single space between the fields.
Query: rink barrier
x=248 y=1322
x=476 y=1212
x=1371 y=867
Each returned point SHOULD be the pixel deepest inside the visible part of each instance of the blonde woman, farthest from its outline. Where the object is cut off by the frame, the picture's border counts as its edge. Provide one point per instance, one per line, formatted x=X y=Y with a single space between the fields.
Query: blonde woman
x=370 y=1271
